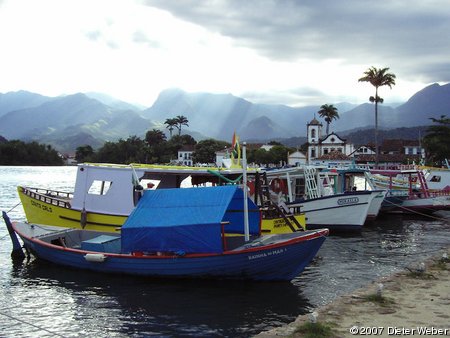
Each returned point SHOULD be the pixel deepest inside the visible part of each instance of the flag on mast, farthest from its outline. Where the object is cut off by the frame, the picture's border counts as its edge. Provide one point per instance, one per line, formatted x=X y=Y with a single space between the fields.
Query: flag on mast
x=235 y=151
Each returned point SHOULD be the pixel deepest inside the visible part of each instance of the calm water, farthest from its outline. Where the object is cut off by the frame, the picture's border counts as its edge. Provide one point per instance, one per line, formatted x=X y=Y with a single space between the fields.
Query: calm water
x=41 y=300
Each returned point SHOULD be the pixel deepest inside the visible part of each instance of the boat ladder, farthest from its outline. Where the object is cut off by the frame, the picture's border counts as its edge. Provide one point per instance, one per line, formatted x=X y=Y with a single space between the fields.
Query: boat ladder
x=423 y=183
x=271 y=208
x=311 y=189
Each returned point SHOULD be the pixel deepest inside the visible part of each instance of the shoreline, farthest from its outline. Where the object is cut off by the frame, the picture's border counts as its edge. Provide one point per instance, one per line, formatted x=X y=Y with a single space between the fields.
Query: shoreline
x=414 y=302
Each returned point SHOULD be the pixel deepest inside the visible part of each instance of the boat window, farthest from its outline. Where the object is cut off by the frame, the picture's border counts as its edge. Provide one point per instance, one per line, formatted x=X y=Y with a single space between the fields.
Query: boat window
x=99 y=187
x=436 y=178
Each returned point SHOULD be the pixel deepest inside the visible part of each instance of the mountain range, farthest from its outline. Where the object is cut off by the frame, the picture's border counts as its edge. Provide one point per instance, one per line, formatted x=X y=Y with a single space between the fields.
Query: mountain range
x=67 y=122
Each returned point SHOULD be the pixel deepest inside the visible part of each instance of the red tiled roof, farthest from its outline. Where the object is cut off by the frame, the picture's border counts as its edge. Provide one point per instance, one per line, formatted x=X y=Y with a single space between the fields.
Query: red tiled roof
x=334 y=155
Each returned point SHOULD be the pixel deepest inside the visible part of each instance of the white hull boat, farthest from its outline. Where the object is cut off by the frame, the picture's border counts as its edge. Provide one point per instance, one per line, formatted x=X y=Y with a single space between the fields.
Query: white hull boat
x=345 y=212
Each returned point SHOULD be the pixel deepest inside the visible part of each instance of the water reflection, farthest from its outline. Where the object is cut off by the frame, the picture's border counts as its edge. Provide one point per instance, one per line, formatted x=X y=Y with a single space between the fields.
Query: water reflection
x=141 y=306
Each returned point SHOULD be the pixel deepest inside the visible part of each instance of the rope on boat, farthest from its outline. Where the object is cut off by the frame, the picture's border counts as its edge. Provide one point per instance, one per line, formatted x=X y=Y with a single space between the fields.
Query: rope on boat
x=1 y=238
x=218 y=174
x=36 y=326
x=419 y=213
x=14 y=207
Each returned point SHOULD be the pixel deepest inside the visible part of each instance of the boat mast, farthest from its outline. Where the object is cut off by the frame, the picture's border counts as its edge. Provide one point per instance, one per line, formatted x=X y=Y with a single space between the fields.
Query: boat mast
x=244 y=183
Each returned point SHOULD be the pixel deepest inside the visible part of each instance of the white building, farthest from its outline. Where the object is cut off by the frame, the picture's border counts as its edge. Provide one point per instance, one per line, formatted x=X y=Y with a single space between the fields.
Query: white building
x=363 y=150
x=296 y=158
x=185 y=155
x=319 y=145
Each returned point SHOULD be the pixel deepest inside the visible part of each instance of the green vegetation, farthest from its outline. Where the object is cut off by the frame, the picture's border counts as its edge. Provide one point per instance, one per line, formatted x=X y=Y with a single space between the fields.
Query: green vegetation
x=276 y=155
x=153 y=149
x=157 y=149
x=377 y=77
x=329 y=113
x=437 y=141
x=379 y=299
x=314 y=330
x=420 y=274
x=441 y=264
x=205 y=150
x=17 y=152
x=171 y=124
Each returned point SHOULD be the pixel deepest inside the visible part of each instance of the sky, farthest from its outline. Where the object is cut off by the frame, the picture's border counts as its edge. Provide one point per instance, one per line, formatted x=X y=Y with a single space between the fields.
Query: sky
x=291 y=52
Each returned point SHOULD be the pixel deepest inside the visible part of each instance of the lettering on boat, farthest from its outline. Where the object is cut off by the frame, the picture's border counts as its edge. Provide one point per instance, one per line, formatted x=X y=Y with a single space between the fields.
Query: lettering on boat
x=40 y=206
x=279 y=223
x=348 y=200
x=266 y=254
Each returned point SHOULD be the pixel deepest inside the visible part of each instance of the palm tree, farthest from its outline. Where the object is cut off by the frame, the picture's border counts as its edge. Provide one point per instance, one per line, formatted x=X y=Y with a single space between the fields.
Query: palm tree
x=329 y=113
x=170 y=124
x=181 y=121
x=378 y=77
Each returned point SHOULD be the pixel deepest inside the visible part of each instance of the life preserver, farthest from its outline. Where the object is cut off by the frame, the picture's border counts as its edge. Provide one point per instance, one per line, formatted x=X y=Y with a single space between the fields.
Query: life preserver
x=278 y=185
x=414 y=179
x=251 y=187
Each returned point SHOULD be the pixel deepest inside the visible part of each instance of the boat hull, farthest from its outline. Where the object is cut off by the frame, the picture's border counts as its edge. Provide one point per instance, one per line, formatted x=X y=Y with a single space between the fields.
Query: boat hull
x=282 y=260
x=337 y=212
x=375 y=205
x=426 y=204
x=280 y=226
x=48 y=210
x=43 y=209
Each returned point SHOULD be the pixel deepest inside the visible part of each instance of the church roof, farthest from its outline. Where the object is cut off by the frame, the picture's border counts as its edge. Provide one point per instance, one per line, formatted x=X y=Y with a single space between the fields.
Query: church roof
x=315 y=122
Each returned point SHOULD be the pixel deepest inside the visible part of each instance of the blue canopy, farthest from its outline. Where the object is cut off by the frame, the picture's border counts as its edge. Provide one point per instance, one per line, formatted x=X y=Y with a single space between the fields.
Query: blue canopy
x=187 y=219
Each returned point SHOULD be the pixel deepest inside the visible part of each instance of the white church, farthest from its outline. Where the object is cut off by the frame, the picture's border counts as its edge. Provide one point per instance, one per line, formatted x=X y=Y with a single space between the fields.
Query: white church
x=321 y=145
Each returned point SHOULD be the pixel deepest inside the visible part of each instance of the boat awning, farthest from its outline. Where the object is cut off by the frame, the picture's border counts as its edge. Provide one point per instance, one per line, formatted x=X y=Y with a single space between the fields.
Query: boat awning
x=187 y=220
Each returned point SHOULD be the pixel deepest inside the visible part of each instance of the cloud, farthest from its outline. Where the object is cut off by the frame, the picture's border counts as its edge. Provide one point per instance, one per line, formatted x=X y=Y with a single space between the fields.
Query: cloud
x=409 y=36
x=140 y=36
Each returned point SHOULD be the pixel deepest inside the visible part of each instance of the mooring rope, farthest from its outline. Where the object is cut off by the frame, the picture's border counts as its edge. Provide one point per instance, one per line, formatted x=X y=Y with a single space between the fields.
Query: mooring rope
x=14 y=207
x=36 y=326
x=1 y=238
x=443 y=219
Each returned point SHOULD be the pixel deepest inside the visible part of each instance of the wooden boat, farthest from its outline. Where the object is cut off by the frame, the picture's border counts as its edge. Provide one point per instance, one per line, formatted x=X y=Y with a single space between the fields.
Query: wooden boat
x=310 y=190
x=417 y=197
x=180 y=233
x=105 y=194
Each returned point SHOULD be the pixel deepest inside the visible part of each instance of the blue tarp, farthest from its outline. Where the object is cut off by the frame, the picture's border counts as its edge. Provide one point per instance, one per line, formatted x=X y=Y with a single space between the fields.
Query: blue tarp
x=187 y=220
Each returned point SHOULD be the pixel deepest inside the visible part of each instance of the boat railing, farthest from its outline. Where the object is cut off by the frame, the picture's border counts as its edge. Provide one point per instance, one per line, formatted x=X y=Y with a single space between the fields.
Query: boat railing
x=57 y=198
x=436 y=193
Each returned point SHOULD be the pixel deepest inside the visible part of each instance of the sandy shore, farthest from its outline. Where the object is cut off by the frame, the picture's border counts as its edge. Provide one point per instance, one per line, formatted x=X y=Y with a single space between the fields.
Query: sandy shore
x=413 y=303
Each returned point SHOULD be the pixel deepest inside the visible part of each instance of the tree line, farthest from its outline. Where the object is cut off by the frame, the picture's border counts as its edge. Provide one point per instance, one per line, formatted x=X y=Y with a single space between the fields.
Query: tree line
x=17 y=152
x=155 y=148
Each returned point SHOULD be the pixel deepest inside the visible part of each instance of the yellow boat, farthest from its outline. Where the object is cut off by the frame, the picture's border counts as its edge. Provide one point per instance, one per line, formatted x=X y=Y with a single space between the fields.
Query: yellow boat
x=105 y=194
x=51 y=207
x=283 y=225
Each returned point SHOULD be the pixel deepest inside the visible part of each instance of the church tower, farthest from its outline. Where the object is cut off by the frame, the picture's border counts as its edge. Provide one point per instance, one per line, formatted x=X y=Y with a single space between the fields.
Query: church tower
x=313 y=133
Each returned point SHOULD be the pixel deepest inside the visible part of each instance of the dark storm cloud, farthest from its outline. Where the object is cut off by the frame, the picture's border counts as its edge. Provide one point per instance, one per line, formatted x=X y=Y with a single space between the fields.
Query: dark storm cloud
x=412 y=37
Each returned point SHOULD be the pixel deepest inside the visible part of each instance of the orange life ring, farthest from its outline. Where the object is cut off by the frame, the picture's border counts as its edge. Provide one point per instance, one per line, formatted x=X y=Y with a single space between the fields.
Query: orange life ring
x=278 y=185
x=414 y=179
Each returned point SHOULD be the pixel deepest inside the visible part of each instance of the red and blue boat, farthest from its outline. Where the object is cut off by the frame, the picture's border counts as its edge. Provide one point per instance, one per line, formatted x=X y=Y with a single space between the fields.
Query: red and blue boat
x=180 y=233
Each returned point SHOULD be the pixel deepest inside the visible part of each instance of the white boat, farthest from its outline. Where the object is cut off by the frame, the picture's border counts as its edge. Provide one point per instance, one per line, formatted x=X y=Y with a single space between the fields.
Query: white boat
x=312 y=191
x=351 y=179
x=437 y=178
